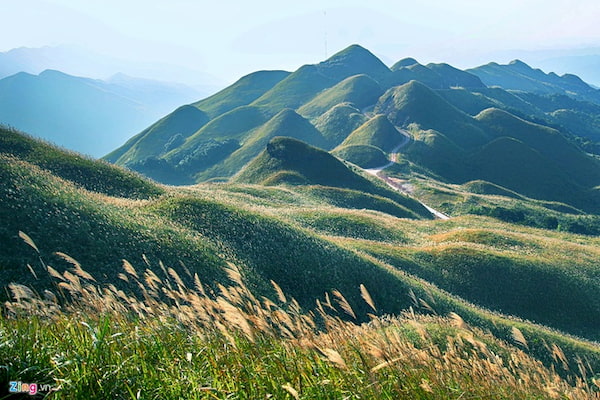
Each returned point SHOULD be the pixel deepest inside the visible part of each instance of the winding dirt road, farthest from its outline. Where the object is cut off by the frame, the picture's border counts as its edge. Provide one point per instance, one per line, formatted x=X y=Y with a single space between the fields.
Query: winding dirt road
x=378 y=172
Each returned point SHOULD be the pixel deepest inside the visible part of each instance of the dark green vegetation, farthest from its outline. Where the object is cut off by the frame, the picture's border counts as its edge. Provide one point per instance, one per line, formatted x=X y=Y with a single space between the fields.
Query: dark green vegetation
x=86 y=115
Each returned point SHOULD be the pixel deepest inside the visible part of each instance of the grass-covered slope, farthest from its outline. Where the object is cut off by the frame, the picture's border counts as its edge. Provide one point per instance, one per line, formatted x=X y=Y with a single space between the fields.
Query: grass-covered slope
x=416 y=103
x=84 y=172
x=287 y=122
x=338 y=122
x=360 y=90
x=292 y=162
x=363 y=155
x=454 y=77
x=309 y=80
x=296 y=89
x=166 y=134
x=549 y=142
x=314 y=165
x=354 y=60
x=310 y=239
x=101 y=230
x=241 y=93
x=378 y=132
x=556 y=169
x=435 y=76
x=240 y=346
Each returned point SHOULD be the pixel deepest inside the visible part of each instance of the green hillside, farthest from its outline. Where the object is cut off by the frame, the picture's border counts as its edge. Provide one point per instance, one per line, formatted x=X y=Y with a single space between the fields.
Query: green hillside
x=446 y=110
x=202 y=259
x=405 y=62
x=454 y=77
x=241 y=93
x=354 y=60
x=309 y=80
x=378 y=132
x=436 y=76
x=583 y=169
x=80 y=170
x=365 y=156
x=360 y=90
x=338 y=122
x=296 y=89
x=286 y=122
x=170 y=132
x=314 y=165
x=416 y=103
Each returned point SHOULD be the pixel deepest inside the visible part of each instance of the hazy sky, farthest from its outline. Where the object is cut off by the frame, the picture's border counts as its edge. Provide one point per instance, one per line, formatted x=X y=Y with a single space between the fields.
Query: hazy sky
x=228 y=39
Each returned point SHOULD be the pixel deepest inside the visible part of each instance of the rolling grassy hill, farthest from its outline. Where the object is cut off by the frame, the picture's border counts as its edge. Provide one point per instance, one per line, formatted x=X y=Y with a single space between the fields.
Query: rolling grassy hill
x=336 y=229
x=459 y=133
x=416 y=103
x=168 y=132
x=360 y=90
x=338 y=122
x=241 y=93
x=378 y=132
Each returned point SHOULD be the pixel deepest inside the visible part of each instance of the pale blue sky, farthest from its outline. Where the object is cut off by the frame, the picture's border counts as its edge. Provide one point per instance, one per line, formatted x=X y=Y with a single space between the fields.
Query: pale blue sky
x=227 y=38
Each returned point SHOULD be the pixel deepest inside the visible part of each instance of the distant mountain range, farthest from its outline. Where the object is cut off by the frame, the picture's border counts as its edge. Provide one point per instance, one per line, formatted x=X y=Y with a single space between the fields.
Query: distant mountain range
x=87 y=115
x=81 y=61
x=510 y=125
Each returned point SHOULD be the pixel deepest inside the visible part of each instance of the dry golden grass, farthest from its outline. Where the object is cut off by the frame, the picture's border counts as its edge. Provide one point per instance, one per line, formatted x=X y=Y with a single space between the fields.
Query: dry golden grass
x=417 y=356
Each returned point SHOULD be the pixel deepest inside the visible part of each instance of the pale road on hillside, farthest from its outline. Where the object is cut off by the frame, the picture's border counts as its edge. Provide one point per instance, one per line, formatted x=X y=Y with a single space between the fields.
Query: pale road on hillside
x=378 y=172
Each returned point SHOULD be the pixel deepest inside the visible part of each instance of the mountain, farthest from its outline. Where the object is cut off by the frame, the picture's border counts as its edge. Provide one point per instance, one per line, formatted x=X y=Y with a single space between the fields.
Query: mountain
x=585 y=66
x=519 y=76
x=378 y=132
x=368 y=145
x=82 y=114
x=241 y=93
x=436 y=76
x=352 y=105
x=284 y=252
x=359 y=90
x=414 y=102
x=82 y=61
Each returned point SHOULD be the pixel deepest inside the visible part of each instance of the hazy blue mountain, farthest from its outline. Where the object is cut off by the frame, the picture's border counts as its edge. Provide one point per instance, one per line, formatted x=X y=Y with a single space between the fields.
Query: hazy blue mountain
x=87 y=115
x=519 y=76
x=585 y=66
x=80 y=61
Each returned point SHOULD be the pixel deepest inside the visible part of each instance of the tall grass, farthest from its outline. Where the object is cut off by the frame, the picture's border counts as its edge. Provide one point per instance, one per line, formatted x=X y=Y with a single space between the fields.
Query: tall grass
x=173 y=341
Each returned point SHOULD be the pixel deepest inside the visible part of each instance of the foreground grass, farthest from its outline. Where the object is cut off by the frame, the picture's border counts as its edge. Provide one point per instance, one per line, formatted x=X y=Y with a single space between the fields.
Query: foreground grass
x=172 y=341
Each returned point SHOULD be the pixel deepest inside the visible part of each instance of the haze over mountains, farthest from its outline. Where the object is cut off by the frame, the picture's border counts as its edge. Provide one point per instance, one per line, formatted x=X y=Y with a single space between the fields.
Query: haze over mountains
x=511 y=125
x=87 y=115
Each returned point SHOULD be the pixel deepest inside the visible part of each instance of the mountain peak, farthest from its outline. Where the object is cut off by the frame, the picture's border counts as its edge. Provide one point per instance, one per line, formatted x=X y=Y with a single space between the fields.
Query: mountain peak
x=353 y=60
x=519 y=64
x=289 y=160
x=405 y=62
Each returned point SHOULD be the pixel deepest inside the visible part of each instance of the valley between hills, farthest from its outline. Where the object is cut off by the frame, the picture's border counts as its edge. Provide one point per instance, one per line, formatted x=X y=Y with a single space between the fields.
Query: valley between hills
x=346 y=230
